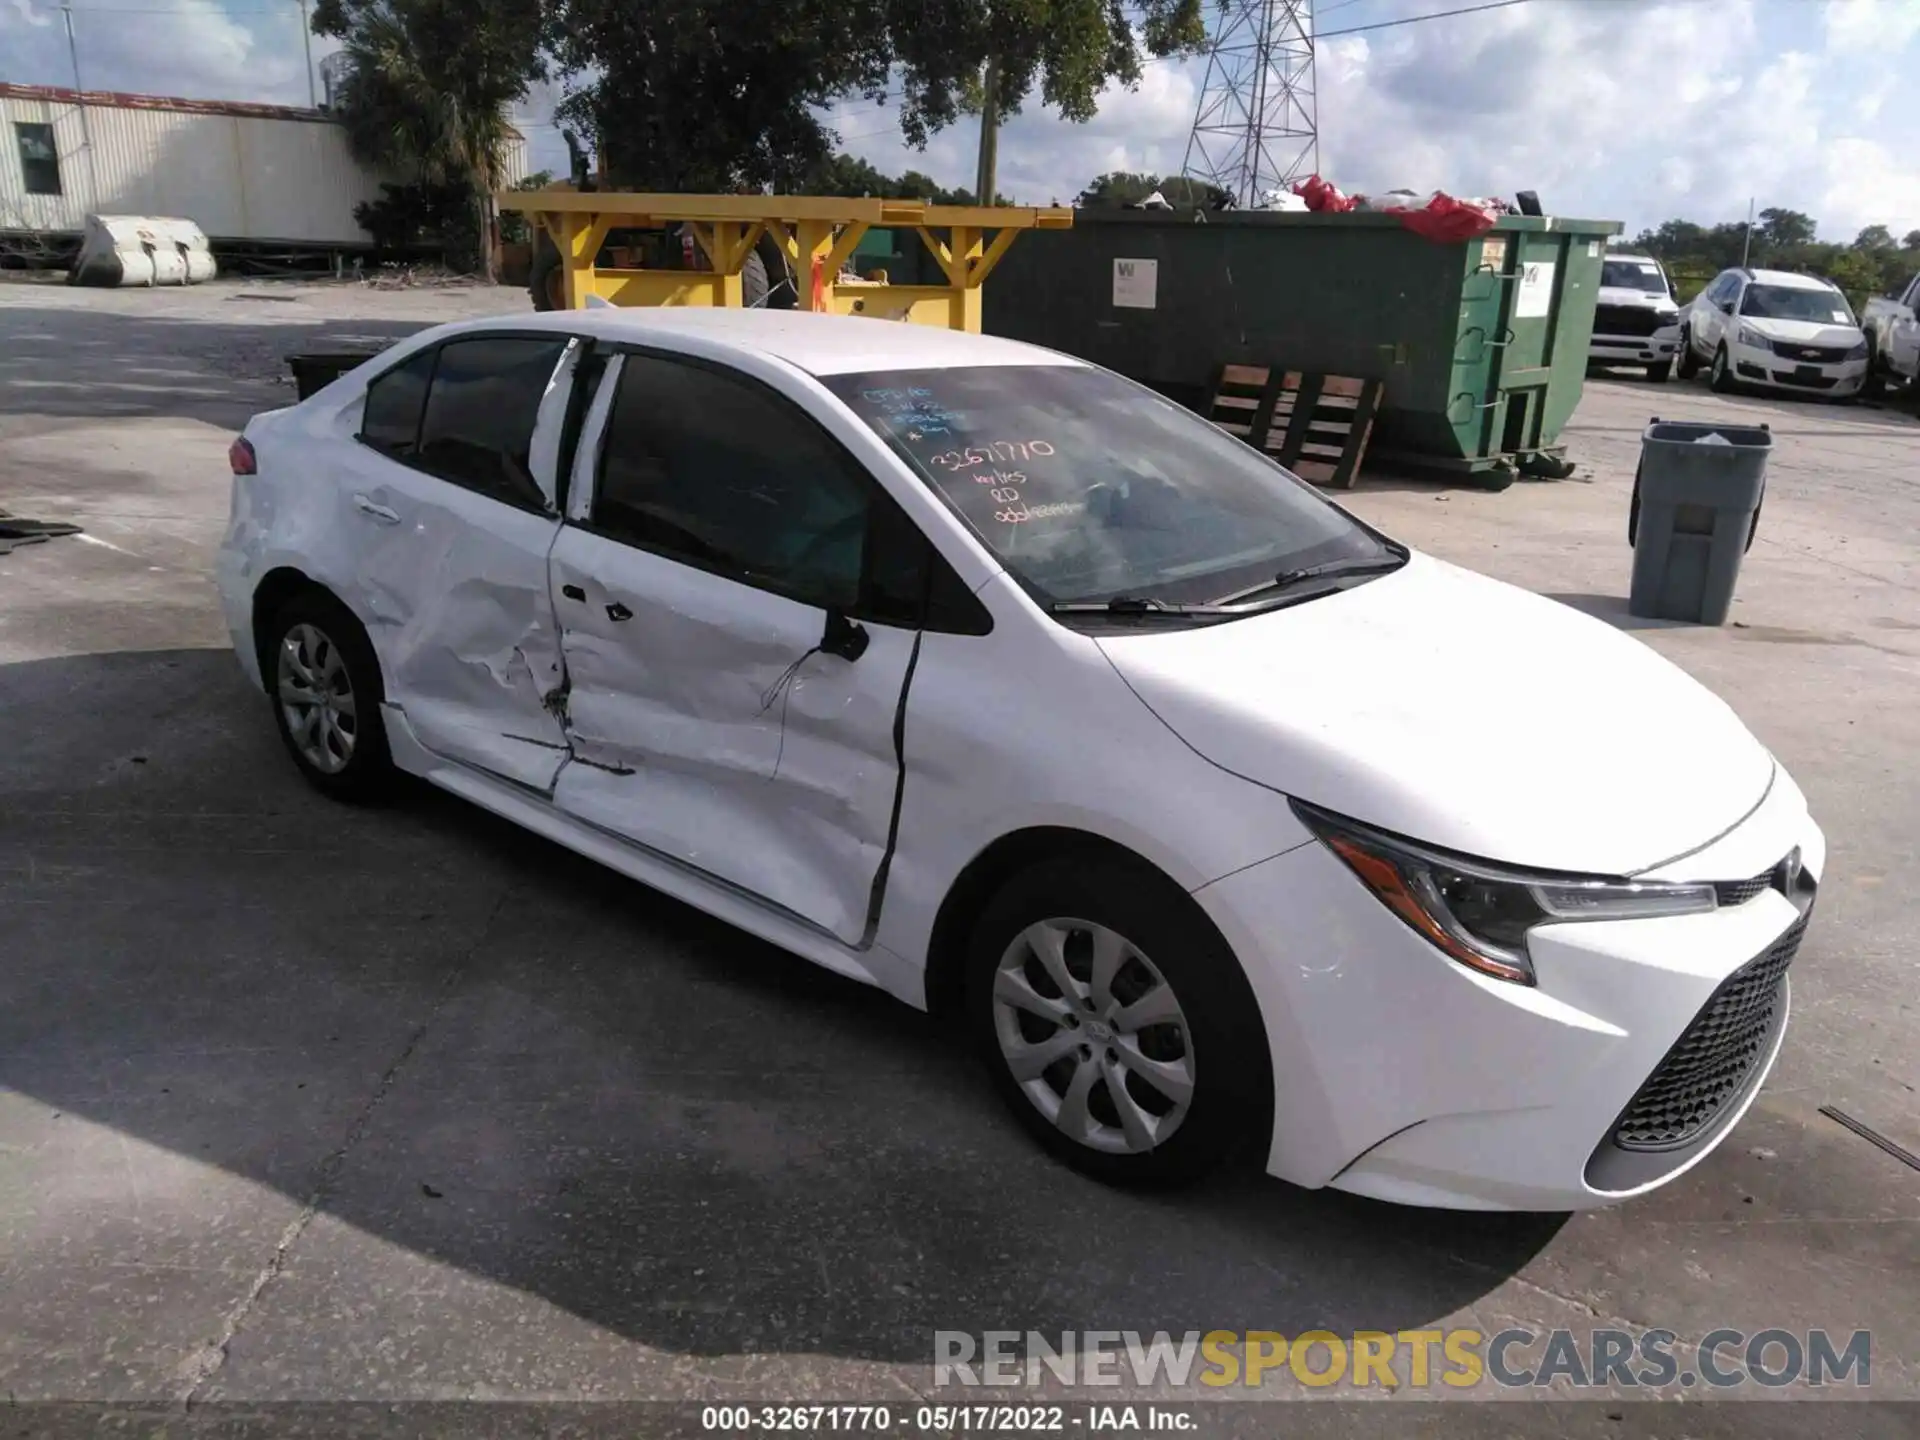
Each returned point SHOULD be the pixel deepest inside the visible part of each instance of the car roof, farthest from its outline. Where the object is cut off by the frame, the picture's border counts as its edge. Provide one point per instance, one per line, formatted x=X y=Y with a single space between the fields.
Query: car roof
x=1629 y=255
x=818 y=344
x=1788 y=280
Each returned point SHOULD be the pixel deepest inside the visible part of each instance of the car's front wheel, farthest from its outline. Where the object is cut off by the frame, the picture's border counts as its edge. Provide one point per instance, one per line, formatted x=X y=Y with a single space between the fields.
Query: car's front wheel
x=1720 y=377
x=1685 y=362
x=1660 y=371
x=324 y=681
x=1116 y=1022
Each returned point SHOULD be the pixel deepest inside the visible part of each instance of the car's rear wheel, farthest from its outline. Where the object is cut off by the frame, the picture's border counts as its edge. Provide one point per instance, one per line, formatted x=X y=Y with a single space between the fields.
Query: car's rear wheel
x=324 y=682
x=1116 y=1023
x=1720 y=377
x=1684 y=360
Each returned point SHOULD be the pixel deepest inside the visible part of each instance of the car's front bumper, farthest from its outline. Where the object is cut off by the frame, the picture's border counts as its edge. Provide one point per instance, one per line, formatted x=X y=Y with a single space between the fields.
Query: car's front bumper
x=1401 y=1075
x=1634 y=349
x=1753 y=365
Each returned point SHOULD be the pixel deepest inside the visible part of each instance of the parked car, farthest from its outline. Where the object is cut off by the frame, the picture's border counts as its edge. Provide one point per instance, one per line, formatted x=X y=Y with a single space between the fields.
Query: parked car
x=982 y=675
x=1892 y=327
x=1636 y=321
x=1774 y=330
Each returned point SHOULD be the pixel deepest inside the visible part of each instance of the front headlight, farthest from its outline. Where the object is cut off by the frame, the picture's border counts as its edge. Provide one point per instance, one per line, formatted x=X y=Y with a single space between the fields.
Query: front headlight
x=1479 y=913
x=1858 y=352
x=1747 y=335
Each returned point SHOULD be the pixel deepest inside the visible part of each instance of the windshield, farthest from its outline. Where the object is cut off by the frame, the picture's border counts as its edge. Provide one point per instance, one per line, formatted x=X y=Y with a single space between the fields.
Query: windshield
x=1790 y=302
x=1633 y=275
x=1088 y=487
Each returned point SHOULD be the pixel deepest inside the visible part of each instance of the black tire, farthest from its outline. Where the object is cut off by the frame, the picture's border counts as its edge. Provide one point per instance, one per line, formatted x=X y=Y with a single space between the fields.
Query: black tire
x=1685 y=362
x=1660 y=371
x=368 y=773
x=1222 y=1039
x=753 y=282
x=1720 y=379
x=544 y=274
x=1874 y=385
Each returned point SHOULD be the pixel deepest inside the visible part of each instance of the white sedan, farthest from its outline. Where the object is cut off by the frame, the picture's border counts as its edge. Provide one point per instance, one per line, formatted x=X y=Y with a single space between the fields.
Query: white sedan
x=1218 y=819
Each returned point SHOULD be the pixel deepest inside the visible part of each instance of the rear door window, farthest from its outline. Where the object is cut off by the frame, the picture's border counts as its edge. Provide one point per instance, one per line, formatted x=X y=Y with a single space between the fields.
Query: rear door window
x=477 y=430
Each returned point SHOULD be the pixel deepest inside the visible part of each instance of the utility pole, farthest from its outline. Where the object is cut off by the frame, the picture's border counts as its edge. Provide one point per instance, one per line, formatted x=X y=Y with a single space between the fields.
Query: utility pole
x=306 y=43
x=1746 y=243
x=86 y=130
x=983 y=184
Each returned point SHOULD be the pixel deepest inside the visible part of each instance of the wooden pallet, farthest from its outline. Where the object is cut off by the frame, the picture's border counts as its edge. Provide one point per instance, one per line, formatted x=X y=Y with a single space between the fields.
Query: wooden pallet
x=1315 y=425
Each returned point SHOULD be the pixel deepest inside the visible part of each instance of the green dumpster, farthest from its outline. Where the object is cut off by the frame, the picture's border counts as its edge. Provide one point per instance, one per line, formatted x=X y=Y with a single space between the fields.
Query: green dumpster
x=1481 y=344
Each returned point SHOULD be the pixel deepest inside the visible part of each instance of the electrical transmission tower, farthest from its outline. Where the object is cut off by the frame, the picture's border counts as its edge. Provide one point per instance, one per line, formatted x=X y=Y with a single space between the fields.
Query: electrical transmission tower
x=1254 y=130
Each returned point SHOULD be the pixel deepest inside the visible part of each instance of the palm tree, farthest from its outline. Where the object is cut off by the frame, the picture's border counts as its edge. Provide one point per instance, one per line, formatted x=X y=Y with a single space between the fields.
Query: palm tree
x=426 y=97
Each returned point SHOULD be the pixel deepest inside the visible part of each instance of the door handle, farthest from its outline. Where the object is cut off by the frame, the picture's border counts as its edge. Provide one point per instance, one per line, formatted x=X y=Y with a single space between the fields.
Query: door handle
x=366 y=505
x=617 y=611
x=573 y=592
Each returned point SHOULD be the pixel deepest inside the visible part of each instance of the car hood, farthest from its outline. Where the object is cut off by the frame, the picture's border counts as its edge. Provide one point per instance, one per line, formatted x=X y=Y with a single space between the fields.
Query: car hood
x=1805 y=332
x=1619 y=295
x=1464 y=712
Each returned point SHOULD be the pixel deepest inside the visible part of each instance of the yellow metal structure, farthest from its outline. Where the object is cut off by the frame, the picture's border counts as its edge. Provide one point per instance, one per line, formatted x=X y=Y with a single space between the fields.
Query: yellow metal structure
x=818 y=233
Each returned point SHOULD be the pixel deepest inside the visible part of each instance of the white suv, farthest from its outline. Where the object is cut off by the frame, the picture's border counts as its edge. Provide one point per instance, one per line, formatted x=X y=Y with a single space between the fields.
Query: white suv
x=1635 y=321
x=1776 y=330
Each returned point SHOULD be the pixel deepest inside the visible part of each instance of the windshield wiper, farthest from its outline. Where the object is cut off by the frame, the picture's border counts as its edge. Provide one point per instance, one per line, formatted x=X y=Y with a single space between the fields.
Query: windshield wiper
x=1132 y=605
x=1287 y=579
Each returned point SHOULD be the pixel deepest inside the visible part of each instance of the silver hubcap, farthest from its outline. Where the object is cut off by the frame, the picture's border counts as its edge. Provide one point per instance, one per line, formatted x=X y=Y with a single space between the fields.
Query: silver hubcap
x=316 y=697
x=1094 y=1035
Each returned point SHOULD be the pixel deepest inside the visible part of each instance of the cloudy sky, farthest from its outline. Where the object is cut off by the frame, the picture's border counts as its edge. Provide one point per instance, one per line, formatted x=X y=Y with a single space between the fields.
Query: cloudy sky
x=1635 y=110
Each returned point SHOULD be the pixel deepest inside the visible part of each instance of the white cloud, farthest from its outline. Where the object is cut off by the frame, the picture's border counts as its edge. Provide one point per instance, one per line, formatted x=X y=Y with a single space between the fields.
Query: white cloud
x=190 y=48
x=1637 y=110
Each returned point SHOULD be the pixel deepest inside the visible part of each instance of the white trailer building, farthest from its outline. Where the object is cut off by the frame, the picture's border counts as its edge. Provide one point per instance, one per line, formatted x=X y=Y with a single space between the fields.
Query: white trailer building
x=265 y=175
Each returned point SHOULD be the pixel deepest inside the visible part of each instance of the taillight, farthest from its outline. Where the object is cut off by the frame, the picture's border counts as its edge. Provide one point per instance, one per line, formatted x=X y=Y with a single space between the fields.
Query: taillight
x=240 y=456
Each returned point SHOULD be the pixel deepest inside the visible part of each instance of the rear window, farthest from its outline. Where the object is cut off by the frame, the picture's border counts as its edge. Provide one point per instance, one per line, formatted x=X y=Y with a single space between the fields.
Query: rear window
x=1087 y=486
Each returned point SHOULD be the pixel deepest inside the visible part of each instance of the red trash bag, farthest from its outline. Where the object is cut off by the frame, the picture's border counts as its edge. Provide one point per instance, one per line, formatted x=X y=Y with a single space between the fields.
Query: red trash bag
x=1323 y=196
x=1445 y=219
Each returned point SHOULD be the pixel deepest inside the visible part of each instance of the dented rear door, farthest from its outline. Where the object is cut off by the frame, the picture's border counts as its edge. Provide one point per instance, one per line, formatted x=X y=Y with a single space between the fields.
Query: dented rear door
x=453 y=529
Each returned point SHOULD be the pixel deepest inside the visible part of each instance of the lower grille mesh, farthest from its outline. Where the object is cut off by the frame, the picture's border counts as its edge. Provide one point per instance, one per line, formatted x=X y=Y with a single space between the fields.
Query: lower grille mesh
x=1706 y=1069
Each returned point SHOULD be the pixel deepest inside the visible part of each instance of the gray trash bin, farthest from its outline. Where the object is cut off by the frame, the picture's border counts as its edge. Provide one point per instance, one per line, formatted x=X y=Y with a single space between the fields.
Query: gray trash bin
x=1696 y=506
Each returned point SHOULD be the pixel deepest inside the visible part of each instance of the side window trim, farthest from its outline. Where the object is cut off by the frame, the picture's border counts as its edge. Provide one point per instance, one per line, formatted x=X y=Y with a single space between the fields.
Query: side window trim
x=584 y=478
x=550 y=422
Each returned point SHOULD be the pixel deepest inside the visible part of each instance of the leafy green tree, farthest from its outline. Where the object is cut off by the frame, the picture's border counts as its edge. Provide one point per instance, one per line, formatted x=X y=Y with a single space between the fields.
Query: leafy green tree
x=1123 y=187
x=699 y=95
x=1784 y=228
x=1874 y=237
x=428 y=91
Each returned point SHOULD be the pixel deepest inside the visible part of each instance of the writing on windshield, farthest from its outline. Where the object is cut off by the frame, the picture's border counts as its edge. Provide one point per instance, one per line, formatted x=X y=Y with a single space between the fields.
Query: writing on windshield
x=1086 y=486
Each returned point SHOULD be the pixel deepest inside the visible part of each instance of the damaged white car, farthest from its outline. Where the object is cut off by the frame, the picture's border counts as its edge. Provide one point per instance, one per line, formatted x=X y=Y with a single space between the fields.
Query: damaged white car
x=979 y=674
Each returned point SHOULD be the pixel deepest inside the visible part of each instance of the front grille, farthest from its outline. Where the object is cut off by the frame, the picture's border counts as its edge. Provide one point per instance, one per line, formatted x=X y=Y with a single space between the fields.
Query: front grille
x=1810 y=354
x=1711 y=1062
x=1738 y=892
x=1811 y=382
x=1628 y=320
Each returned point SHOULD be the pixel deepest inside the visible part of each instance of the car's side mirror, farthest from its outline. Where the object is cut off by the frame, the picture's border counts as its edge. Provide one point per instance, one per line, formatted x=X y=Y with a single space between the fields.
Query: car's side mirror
x=1726 y=307
x=843 y=637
